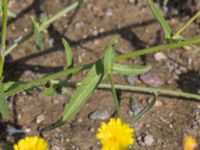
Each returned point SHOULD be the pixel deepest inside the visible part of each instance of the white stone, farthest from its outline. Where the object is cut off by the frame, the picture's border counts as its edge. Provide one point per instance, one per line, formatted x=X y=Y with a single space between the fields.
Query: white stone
x=148 y=140
x=159 y=56
x=39 y=118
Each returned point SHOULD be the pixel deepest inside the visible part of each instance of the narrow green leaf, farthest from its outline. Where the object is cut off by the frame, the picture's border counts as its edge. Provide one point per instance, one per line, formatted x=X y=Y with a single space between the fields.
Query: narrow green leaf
x=157 y=13
x=37 y=35
x=3 y=102
x=130 y=70
x=109 y=55
x=177 y=35
x=145 y=110
x=87 y=87
x=68 y=53
x=57 y=124
x=11 y=85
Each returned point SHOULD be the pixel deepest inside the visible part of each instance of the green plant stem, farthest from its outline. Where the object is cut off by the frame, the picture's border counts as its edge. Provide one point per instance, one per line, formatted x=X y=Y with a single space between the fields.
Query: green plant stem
x=3 y=32
x=43 y=26
x=118 y=58
x=114 y=94
x=139 y=89
x=177 y=34
x=44 y=79
x=153 y=91
x=158 y=48
x=102 y=85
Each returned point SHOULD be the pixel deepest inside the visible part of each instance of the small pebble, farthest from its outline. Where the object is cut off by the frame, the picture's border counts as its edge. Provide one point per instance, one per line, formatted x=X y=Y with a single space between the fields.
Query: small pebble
x=96 y=42
x=78 y=25
x=148 y=140
x=159 y=56
x=92 y=129
x=80 y=120
x=132 y=1
x=67 y=140
x=171 y=126
x=109 y=13
x=131 y=79
x=74 y=147
x=101 y=30
x=99 y=115
x=51 y=42
x=188 y=48
x=55 y=147
x=151 y=79
x=39 y=118
x=28 y=73
x=135 y=106
x=95 y=32
x=158 y=103
x=25 y=30
x=27 y=130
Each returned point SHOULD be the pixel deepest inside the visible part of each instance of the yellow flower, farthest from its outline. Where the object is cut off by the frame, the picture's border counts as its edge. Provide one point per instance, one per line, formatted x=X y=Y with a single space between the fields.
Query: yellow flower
x=115 y=135
x=31 y=143
x=189 y=143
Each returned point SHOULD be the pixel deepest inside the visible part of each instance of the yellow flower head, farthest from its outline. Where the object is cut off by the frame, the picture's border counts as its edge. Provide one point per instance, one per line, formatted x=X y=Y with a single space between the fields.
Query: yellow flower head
x=115 y=135
x=31 y=143
x=189 y=143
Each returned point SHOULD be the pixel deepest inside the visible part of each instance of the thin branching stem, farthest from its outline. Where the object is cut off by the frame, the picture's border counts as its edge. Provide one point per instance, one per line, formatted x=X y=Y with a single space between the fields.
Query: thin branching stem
x=139 y=89
x=162 y=47
x=114 y=94
x=177 y=34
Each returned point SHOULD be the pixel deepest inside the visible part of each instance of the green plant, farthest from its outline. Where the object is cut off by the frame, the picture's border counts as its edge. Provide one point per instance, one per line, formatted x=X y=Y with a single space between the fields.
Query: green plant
x=99 y=70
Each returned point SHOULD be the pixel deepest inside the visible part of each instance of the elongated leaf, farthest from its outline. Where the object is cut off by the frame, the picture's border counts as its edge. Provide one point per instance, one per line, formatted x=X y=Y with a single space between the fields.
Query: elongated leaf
x=109 y=55
x=165 y=26
x=3 y=102
x=11 y=85
x=37 y=35
x=68 y=53
x=130 y=70
x=87 y=87
x=145 y=110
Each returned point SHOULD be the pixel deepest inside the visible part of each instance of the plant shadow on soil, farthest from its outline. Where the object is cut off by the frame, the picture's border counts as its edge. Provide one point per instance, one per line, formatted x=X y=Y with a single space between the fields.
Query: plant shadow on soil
x=19 y=66
x=190 y=82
